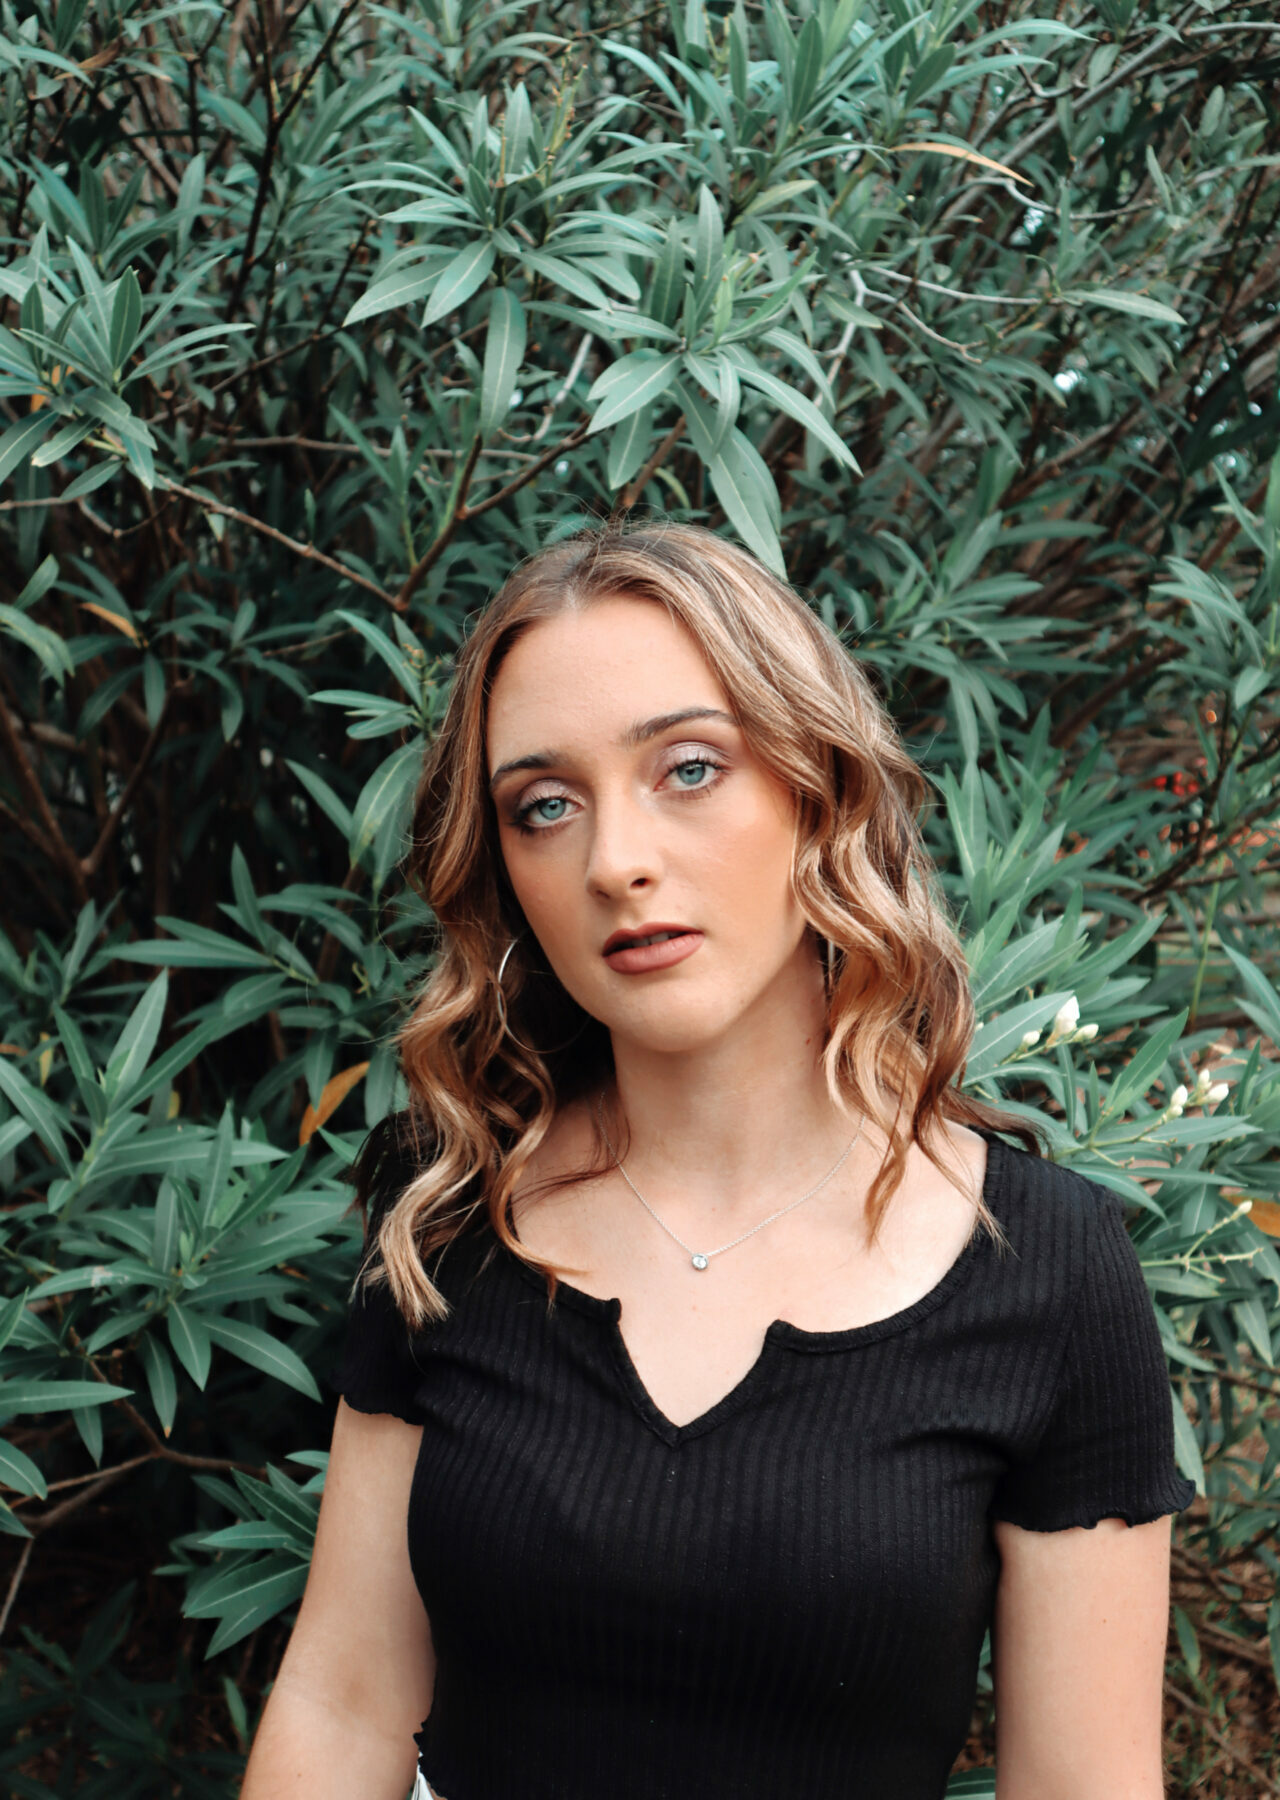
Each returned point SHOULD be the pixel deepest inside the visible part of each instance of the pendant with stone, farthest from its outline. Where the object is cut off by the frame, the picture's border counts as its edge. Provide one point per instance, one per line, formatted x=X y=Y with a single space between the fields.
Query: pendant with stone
x=699 y=1261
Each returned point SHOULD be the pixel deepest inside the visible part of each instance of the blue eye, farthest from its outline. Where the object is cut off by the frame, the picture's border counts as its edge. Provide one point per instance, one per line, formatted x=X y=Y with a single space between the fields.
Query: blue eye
x=697 y=774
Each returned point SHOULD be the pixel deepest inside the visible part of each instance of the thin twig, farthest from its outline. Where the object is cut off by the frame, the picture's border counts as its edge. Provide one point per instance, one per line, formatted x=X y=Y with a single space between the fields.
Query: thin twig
x=93 y=862
x=634 y=488
x=16 y=1582
x=309 y=74
x=1237 y=1756
x=308 y=551
x=934 y=287
x=462 y=513
x=35 y=794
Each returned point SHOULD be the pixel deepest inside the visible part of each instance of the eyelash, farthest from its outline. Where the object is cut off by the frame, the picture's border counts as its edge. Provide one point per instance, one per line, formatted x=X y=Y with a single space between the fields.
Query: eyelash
x=521 y=814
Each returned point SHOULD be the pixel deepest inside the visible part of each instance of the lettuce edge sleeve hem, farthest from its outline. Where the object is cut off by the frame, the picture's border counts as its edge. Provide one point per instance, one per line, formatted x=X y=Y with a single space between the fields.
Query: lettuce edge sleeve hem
x=376 y=1406
x=1175 y=1499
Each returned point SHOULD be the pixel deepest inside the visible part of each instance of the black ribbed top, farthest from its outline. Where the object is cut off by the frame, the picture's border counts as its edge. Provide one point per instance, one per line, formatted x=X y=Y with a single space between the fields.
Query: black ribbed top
x=788 y=1595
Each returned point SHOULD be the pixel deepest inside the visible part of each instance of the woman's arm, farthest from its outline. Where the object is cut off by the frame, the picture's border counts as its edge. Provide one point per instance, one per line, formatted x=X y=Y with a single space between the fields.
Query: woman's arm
x=1077 y=1649
x=357 y=1675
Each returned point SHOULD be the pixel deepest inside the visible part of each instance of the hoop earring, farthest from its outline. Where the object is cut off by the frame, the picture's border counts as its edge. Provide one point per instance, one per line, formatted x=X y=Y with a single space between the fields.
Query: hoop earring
x=502 y=1015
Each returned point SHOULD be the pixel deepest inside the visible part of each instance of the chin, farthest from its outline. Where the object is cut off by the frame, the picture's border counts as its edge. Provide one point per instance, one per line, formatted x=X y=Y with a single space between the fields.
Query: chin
x=671 y=1034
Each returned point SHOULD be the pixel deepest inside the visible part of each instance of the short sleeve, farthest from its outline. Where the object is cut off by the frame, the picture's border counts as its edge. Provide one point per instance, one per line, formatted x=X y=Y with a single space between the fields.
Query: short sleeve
x=1107 y=1448
x=377 y=1371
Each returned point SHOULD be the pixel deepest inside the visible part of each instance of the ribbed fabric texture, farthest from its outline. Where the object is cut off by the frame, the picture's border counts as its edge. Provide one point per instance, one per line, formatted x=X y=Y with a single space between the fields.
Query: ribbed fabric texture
x=788 y=1595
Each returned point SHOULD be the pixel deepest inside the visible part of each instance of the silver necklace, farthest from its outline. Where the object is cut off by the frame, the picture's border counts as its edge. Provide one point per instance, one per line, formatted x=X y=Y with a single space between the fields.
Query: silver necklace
x=700 y=1258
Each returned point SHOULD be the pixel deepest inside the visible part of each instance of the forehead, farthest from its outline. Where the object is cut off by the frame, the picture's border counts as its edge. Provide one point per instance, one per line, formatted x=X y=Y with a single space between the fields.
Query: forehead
x=591 y=673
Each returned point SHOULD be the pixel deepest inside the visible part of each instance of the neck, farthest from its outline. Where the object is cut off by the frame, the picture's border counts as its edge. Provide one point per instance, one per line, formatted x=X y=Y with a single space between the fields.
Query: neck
x=738 y=1124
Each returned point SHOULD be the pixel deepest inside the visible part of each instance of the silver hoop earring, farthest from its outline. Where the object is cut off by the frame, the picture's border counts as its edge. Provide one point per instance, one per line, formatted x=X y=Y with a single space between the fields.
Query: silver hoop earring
x=502 y=1015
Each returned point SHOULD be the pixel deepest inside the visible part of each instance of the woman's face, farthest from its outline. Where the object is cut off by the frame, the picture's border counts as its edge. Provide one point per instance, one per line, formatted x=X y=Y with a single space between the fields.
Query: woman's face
x=627 y=822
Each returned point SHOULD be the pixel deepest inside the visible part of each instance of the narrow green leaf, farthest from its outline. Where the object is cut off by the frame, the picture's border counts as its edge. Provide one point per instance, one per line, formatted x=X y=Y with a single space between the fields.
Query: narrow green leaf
x=37 y=1110
x=1137 y=1075
x=191 y=1342
x=43 y=643
x=10 y=1523
x=460 y=278
x=708 y=250
x=18 y=1471
x=263 y=1352
x=255 y=1605
x=21 y=439
x=47 y=574
x=132 y=1050
x=250 y=1534
x=323 y=795
x=187 y=206
x=391 y=654
x=80 y=1063
x=749 y=501
x=62 y=443
x=384 y=797
x=10 y=1314
x=395 y=290
x=246 y=896
x=638 y=380
x=164 y=1228
x=570 y=276
x=19 y=1396
x=126 y=316
x=806 y=72
x=629 y=446
x=193 y=947
x=217 y=1167
x=504 y=350
x=802 y=409
x=998 y=1038
x=160 y=1379
x=1120 y=300
x=1185 y=1443
x=440 y=142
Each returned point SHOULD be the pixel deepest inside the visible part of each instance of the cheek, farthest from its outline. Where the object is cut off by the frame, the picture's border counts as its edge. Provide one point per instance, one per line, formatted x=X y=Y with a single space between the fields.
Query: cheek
x=746 y=866
x=541 y=887
x=753 y=851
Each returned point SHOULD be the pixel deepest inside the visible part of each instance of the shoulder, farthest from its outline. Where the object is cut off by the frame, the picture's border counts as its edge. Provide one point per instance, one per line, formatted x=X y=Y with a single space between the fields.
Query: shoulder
x=1066 y=1233
x=1043 y=1195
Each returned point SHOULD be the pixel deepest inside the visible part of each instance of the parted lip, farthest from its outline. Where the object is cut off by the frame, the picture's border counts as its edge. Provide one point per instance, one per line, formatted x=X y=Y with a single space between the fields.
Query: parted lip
x=620 y=938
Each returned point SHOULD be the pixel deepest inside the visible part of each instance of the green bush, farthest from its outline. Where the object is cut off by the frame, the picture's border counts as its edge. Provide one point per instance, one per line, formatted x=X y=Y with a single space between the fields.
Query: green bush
x=317 y=320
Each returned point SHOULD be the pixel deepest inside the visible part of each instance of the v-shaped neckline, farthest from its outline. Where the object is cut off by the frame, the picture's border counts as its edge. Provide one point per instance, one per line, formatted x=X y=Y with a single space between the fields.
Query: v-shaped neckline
x=780 y=1333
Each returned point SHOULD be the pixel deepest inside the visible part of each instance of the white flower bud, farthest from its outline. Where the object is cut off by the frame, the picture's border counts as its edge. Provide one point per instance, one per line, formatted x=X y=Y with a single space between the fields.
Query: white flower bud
x=1029 y=1038
x=1067 y=1017
x=1086 y=1034
x=1179 y=1097
x=1218 y=1091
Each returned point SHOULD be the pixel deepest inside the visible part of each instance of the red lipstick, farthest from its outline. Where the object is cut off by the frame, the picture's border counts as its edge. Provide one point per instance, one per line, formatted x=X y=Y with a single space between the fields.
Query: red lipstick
x=624 y=952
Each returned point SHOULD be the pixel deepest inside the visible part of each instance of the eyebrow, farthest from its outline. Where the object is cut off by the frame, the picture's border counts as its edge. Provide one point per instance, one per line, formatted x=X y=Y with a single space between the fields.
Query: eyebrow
x=638 y=733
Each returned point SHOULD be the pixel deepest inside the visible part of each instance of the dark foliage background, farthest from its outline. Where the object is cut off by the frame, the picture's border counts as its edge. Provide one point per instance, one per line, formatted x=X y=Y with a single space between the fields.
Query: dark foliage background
x=314 y=319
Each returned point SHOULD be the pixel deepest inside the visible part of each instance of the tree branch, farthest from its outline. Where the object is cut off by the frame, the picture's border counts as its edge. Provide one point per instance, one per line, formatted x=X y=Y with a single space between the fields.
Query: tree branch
x=307 y=551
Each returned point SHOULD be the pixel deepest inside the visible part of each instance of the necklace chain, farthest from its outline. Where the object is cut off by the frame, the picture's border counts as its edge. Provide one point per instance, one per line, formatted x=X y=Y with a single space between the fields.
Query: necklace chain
x=700 y=1258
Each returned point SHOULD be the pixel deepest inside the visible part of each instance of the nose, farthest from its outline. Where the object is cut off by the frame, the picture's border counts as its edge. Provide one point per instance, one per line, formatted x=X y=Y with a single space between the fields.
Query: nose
x=623 y=852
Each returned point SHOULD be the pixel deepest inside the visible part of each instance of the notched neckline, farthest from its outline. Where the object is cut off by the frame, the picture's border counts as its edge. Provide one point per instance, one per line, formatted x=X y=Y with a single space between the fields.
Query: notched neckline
x=780 y=1331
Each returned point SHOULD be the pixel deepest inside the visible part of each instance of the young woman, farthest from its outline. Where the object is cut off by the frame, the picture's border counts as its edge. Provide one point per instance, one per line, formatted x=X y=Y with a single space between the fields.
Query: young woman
x=722 y=1374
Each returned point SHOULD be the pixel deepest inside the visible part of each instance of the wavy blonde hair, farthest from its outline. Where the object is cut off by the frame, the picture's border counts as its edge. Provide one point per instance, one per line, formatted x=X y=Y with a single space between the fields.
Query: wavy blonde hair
x=900 y=1014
